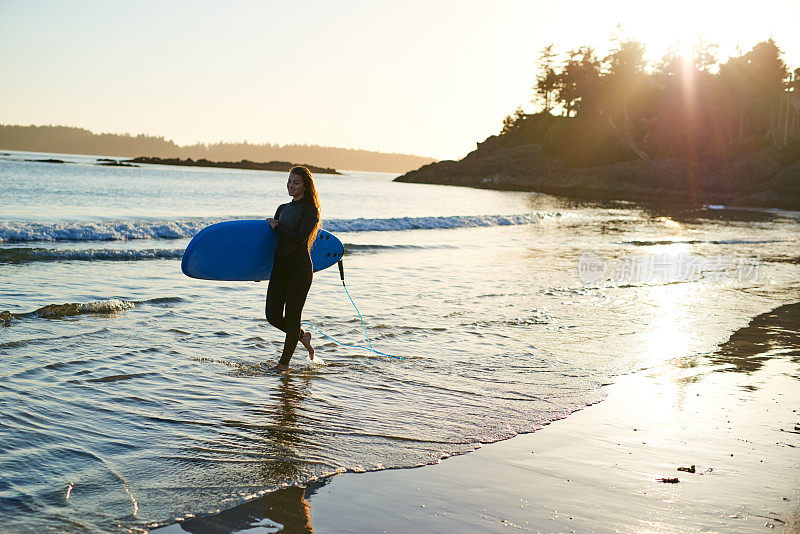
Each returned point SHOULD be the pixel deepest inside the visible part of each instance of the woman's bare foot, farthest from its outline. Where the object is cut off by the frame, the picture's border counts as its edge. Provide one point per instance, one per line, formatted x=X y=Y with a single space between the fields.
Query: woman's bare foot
x=280 y=368
x=306 y=341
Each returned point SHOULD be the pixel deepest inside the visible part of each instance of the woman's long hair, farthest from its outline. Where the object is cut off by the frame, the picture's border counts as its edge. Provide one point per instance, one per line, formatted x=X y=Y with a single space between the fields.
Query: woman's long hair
x=310 y=194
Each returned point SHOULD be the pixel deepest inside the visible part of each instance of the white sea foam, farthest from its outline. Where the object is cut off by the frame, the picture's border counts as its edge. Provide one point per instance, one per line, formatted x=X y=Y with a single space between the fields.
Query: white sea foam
x=99 y=231
x=430 y=223
x=26 y=254
x=316 y=361
x=20 y=232
x=55 y=311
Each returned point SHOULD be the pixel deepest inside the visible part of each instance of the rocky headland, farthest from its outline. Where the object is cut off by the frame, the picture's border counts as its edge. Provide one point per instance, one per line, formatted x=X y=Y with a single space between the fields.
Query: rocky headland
x=766 y=178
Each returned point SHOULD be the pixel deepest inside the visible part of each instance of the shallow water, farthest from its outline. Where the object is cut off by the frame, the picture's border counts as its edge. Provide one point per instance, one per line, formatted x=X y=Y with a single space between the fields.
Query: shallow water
x=134 y=395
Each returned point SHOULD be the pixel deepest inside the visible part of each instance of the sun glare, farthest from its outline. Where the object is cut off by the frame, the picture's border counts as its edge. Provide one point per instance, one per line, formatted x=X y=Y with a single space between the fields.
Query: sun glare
x=679 y=26
x=670 y=335
x=670 y=224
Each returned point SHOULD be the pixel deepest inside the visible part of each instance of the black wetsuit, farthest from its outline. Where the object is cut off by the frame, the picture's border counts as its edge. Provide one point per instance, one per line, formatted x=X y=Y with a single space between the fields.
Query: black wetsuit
x=291 y=271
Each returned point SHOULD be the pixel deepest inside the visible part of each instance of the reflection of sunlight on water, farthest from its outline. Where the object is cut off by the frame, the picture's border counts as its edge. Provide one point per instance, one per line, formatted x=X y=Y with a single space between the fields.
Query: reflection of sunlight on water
x=672 y=255
x=673 y=250
x=672 y=258
x=667 y=263
x=670 y=224
x=666 y=350
x=668 y=336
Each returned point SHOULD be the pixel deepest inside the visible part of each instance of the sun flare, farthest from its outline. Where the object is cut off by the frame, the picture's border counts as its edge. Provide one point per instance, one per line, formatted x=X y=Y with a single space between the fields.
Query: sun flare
x=680 y=26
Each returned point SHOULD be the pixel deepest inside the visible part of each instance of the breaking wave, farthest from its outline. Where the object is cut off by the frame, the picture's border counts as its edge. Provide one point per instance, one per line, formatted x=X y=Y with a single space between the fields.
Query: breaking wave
x=430 y=223
x=56 y=311
x=18 y=232
x=69 y=309
x=22 y=232
x=23 y=255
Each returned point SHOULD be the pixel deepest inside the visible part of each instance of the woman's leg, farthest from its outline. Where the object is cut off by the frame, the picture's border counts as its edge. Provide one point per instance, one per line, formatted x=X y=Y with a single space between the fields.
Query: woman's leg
x=276 y=298
x=276 y=301
x=298 y=284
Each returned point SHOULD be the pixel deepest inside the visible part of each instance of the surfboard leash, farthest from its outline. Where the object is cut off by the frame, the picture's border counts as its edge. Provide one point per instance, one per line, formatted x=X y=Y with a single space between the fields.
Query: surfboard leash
x=370 y=348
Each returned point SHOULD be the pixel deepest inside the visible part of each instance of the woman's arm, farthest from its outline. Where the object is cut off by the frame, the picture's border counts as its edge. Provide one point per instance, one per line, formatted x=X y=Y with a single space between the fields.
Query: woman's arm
x=274 y=221
x=307 y=224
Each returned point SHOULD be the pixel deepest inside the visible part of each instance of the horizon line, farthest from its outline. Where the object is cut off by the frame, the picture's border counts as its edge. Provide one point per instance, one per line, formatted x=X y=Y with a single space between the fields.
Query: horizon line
x=220 y=142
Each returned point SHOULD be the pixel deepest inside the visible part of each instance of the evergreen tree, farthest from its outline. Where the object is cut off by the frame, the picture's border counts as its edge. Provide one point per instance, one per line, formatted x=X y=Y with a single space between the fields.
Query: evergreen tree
x=547 y=82
x=579 y=82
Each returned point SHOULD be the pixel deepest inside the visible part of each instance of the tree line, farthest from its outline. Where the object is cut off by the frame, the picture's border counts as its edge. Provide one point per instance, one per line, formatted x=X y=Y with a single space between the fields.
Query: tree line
x=68 y=140
x=599 y=110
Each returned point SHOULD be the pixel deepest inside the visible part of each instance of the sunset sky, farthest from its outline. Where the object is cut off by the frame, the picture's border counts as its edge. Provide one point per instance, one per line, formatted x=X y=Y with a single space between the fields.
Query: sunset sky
x=422 y=77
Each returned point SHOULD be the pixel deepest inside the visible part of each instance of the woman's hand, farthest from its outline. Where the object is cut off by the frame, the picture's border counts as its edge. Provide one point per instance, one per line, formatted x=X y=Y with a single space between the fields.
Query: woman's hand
x=272 y=222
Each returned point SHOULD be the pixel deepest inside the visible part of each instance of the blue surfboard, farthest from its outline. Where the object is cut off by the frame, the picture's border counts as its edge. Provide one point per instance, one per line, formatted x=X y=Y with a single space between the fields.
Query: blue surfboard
x=243 y=250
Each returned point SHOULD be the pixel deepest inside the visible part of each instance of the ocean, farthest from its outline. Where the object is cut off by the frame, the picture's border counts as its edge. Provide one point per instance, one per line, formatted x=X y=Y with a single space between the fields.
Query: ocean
x=134 y=396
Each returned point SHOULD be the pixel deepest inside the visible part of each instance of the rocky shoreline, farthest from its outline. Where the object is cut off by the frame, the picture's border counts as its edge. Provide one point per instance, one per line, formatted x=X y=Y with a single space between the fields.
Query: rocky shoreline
x=762 y=178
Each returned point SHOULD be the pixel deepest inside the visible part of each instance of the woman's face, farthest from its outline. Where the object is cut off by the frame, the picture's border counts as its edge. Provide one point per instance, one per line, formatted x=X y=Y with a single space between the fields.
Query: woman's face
x=295 y=186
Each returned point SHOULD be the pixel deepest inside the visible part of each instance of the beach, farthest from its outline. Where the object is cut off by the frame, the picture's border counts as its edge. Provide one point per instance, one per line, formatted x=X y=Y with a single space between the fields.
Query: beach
x=552 y=282
x=510 y=341
x=731 y=417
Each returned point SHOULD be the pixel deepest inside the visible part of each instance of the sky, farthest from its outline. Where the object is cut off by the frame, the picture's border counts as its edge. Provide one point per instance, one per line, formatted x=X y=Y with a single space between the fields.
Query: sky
x=422 y=77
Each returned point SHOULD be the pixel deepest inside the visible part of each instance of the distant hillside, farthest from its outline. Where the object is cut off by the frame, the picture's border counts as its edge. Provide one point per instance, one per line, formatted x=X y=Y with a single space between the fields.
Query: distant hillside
x=69 y=140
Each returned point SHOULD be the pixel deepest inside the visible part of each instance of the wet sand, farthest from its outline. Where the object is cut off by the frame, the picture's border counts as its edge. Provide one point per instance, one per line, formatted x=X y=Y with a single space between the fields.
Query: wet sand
x=733 y=417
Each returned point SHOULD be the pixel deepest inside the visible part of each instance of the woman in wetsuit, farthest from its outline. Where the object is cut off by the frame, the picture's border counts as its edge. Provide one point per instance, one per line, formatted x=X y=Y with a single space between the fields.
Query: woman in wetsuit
x=297 y=223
